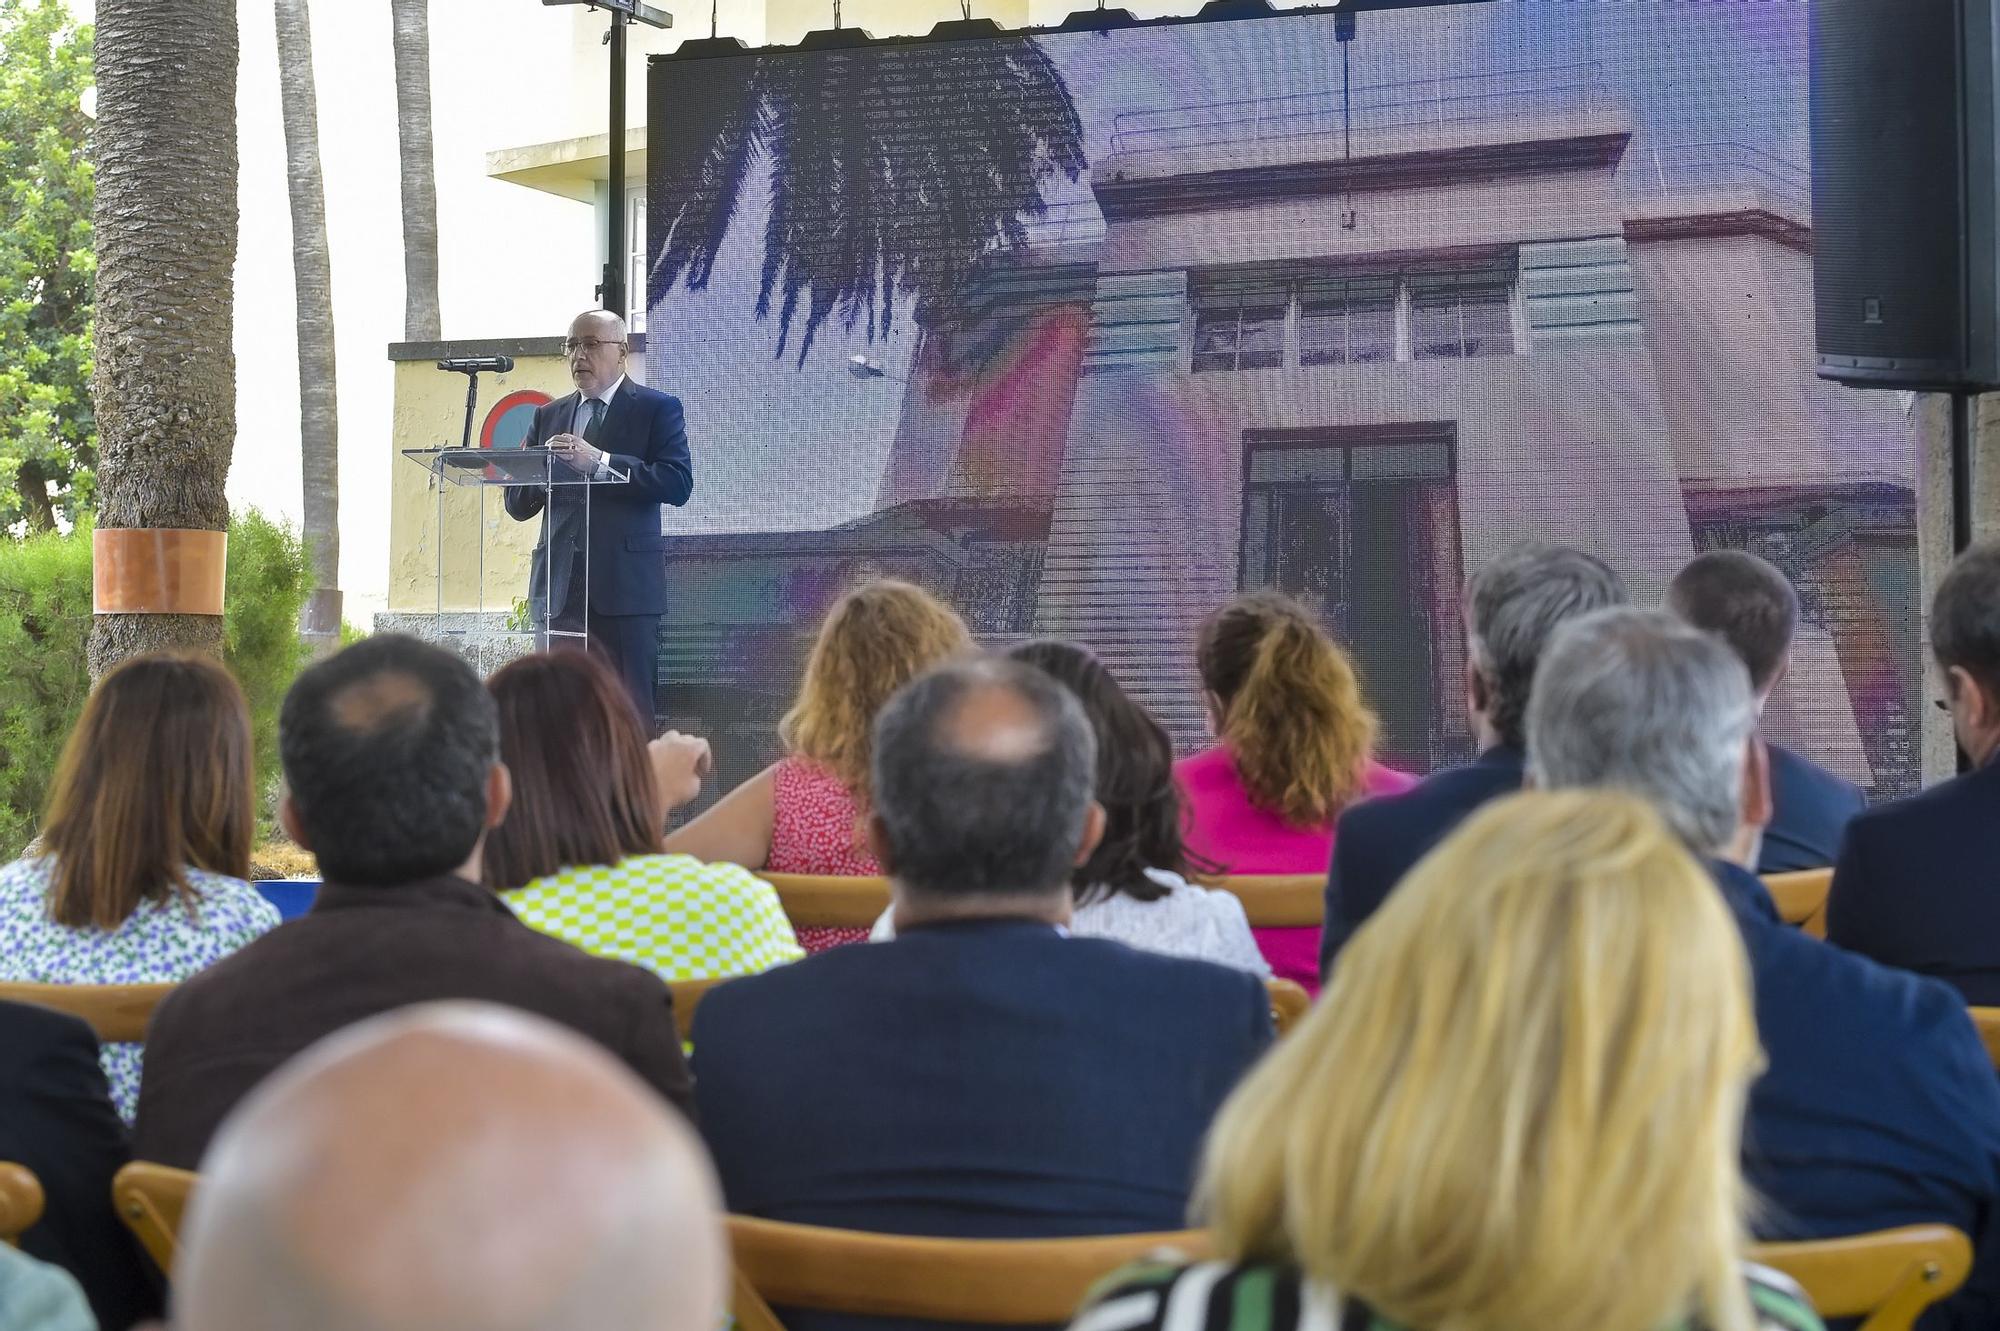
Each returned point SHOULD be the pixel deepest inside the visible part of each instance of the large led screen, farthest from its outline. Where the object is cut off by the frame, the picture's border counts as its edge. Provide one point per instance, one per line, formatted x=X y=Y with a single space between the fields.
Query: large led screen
x=1089 y=331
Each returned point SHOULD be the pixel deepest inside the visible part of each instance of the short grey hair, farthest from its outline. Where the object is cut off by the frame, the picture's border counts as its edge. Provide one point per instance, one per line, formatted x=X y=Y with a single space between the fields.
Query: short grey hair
x=967 y=818
x=1513 y=604
x=1637 y=700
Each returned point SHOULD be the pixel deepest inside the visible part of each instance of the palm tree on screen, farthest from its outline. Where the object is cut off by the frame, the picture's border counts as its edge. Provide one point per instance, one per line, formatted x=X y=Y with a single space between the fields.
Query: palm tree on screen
x=893 y=172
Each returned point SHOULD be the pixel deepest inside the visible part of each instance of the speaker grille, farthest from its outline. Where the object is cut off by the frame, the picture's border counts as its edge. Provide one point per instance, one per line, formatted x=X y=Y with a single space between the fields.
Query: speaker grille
x=1888 y=208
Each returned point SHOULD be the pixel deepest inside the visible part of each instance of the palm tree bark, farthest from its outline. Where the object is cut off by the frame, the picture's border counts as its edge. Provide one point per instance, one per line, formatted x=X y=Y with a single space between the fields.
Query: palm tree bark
x=410 y=20
x=312 y=278
x=165 y=223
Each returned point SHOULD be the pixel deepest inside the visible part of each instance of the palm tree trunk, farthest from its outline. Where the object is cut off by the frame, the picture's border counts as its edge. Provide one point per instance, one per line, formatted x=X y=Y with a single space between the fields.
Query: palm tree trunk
x=410 y=20
x=165 y=222
x=312 y=277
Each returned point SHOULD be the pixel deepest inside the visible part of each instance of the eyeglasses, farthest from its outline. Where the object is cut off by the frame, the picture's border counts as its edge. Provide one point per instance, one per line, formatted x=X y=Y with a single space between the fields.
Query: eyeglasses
x=572 y=345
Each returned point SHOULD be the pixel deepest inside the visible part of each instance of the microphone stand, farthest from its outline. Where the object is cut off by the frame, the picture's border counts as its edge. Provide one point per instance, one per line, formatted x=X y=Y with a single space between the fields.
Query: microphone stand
x=471 y=405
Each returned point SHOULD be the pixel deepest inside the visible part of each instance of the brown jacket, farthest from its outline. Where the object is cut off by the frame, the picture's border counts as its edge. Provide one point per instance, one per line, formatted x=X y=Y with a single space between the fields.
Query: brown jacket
x=361 y=951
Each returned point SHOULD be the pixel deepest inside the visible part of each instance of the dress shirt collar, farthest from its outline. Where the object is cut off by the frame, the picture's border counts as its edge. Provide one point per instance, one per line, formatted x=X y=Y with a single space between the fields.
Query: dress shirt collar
x=604 y=397
x=446 y=891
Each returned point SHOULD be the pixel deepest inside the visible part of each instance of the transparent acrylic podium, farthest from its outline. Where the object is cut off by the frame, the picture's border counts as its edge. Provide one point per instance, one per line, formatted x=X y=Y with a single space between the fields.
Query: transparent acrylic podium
x=473 y=473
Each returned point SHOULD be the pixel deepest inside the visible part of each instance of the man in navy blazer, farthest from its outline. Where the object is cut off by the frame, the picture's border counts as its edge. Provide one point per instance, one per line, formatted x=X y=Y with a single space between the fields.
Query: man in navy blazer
x=1512 y=605
x=1918 y=881
x=1879 y=1106
x=56 y=1119
x=609 y=427
x=1751 y=606
x=984 y=1074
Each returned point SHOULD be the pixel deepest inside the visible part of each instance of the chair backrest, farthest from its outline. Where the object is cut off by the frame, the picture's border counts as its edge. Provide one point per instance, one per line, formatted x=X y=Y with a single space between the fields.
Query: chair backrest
x=1801 y=898
x=1276 y=900
x=991 y=1282
x=1289 y=1002
x=20 y=1201
x=151 y=1200
x=117 y=1012
x=1888 y=1277
x=823 y=901
x=1987 y=1019
x=687 y=997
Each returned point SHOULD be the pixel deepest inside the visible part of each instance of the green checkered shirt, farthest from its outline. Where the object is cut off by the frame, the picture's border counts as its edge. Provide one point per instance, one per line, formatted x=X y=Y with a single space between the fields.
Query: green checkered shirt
x=677 y=916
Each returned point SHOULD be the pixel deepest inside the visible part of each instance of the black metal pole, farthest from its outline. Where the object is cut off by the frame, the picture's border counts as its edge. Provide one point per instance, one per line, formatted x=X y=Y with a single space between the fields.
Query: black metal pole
x=612 y=292
x=1961 y=470
x=471 y=406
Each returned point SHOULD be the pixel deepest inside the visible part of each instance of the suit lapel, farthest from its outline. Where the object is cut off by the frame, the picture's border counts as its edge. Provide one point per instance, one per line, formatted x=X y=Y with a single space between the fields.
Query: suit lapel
x=612 y=427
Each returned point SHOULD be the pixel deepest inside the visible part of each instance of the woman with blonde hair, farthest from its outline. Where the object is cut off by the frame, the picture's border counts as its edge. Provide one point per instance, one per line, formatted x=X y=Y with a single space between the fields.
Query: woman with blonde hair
x=1518 y=1107
x=805 y=813
x=1295 y=747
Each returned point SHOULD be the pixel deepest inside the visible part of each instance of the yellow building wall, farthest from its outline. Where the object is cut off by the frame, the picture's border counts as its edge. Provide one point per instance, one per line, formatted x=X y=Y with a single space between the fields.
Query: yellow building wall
x=429 y=413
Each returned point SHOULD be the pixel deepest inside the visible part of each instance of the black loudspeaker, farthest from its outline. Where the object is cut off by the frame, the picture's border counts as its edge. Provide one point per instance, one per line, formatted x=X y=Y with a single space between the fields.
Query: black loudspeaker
x=1904 y=198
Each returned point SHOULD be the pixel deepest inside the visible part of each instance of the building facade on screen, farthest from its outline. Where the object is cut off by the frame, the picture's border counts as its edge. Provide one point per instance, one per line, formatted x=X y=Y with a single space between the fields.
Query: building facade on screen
x=1447 y=280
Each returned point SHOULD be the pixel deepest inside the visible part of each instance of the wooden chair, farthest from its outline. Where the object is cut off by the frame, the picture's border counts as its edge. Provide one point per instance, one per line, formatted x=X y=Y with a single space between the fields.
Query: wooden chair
x=1276 y=900
x=1289 y=1002
x=117 y=1012
x=151 y=1200
x=991 y=1282
x=687 y=997
x=1801 y=898
x=823 y=901
x=1888 y=1277
x=1987 y=1019
x=21 y=1201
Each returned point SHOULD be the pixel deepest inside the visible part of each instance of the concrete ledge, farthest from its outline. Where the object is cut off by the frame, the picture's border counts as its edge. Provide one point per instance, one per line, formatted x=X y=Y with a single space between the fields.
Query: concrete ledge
x=491 y=346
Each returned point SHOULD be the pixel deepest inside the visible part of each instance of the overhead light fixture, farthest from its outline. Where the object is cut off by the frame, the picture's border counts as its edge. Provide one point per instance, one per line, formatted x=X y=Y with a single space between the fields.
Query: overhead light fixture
x=631 y=9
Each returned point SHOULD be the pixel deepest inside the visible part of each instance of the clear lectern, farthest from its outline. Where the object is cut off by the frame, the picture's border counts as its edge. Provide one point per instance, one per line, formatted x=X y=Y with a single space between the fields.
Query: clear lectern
x=462 y=479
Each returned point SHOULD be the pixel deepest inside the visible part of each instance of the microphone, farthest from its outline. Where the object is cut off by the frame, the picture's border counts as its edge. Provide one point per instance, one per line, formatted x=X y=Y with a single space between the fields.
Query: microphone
x=474 y=364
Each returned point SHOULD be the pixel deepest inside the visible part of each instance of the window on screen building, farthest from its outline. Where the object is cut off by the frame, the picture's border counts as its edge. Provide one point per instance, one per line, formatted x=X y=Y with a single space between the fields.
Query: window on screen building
x=1316 y=317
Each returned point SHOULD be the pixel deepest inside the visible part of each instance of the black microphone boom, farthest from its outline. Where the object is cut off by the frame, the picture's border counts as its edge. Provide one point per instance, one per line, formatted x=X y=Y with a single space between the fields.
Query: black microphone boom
x=475 y=364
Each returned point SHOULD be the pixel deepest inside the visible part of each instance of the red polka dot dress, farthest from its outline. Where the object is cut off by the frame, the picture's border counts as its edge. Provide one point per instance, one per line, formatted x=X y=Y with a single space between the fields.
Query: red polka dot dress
x=816 y=828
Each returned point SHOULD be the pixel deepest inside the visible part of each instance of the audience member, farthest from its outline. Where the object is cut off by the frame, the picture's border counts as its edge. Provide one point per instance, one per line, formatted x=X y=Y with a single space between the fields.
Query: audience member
x=1749 y=604
x=453 y=1166
x=1512 y=605
x=139 y=876
x=579 y=855
x=1295 y=747
x=393 y=776
x=806 y=812
x=35 y=1296
x=983 y=1074
x=1443 y=1144
x=1134 y=889
x=1915 y=883
x=56 y=1121
x=1880 y=1107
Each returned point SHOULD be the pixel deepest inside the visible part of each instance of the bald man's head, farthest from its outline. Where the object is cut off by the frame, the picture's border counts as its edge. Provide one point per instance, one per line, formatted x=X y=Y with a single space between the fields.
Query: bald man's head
x=982 y=783
x=454 y=1166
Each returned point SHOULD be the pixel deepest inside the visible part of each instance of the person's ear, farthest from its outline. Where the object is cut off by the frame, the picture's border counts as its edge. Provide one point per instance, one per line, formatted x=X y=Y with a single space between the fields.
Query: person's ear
x=499 y=794
x=288 y=818
x=1477 y=699
x=1757 y=802
x=877 y=836
x=1093 y=832
x=1972 y=705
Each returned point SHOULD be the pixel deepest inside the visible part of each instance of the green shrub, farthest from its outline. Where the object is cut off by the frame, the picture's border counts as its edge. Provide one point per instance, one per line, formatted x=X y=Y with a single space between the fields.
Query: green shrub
x=45 y=619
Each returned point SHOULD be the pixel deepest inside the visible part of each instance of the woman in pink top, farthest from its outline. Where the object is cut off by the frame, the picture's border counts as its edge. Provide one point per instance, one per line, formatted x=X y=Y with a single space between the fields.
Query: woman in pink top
x=806 y=813
x=1296 y=744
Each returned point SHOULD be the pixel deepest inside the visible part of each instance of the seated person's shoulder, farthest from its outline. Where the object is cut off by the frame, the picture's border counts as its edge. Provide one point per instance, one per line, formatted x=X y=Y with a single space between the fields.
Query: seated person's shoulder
x=31 y=1030
x=1893 y=1016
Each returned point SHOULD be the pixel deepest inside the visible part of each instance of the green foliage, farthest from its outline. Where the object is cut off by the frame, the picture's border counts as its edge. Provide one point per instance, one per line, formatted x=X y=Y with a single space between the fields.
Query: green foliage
x=48 y=431
x=45 y=618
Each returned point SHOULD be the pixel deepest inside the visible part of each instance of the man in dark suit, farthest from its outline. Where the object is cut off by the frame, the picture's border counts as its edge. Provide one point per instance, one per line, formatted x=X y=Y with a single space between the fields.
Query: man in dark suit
x=984 y=1074
x=391 y=752
x=1512 y=605
x=1749 y=604
x=1879 y=1106
x=609 y=427
x=1918 y=881
x=56 y=1120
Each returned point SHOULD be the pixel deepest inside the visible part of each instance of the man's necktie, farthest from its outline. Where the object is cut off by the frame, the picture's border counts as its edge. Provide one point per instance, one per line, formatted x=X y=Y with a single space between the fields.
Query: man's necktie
x=596 y=418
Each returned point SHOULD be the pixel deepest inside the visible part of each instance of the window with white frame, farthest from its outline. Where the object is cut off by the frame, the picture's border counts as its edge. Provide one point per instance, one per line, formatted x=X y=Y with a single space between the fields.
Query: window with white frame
x=635 y=259
x=1316 y=316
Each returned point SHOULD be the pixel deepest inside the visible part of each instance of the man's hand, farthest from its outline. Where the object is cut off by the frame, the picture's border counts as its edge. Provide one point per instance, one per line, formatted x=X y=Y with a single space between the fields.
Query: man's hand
x=679 y=763
x=574 y=452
